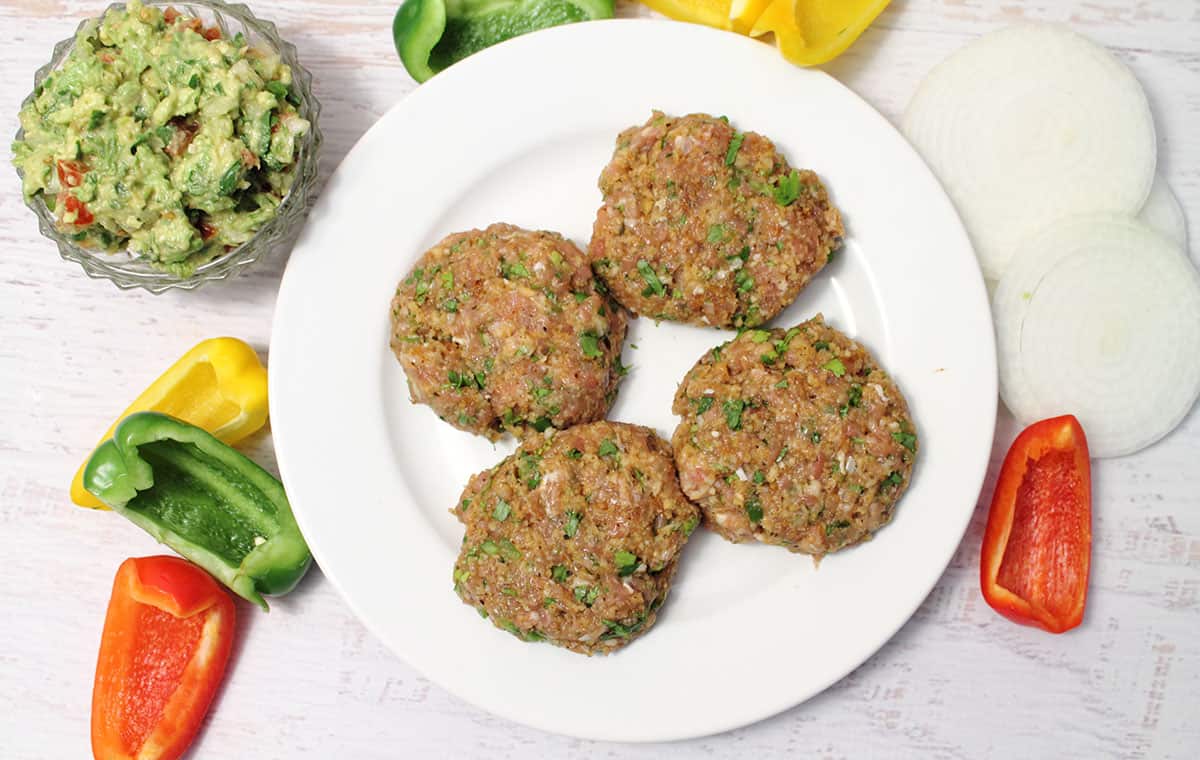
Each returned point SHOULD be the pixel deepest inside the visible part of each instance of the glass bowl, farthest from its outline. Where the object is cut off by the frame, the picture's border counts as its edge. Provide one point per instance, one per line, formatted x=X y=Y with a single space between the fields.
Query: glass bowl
x=125 y=269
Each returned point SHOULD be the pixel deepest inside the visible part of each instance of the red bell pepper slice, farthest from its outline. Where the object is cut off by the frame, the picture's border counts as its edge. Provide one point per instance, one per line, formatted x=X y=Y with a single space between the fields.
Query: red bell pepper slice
x=166 y=641
x=1037 y=548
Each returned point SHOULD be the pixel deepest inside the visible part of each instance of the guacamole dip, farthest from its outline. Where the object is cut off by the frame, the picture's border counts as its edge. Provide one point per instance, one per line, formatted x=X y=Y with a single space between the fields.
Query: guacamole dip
x=158 y=136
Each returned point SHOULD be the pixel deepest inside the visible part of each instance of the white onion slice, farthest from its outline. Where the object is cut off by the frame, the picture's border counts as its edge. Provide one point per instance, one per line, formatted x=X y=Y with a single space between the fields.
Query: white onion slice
x=1163 y=213
x=1027 y=125
x=1099 y=317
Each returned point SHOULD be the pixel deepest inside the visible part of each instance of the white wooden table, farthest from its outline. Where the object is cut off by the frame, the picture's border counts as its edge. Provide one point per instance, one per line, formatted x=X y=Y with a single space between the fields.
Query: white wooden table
x=309 y=681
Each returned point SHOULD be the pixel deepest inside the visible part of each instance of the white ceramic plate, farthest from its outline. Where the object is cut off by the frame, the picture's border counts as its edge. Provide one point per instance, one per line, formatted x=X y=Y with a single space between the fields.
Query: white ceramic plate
x=519 y=133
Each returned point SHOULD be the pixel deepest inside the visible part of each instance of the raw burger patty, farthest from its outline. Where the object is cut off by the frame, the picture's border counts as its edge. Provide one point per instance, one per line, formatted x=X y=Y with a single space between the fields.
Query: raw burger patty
x=705 y=224
x=504 y=329
x=793 y=437
x=574 y=539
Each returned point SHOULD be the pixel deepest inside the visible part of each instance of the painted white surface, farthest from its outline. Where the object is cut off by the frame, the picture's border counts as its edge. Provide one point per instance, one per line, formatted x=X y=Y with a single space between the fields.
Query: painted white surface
x=308 y=681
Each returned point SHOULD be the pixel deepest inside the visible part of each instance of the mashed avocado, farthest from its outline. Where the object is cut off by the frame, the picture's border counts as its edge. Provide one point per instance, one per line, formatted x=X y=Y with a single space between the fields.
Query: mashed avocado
x=159 y=136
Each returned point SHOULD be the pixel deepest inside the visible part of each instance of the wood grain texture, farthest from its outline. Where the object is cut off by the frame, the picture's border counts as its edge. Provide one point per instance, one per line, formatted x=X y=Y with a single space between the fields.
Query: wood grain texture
x=309 y=682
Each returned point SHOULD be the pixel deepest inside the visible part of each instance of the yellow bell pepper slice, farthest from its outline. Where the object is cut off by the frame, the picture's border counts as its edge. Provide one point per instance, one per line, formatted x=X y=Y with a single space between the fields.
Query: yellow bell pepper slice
x=780 y=14
x=219 y=385
x=744 y=13
x=811 y=32
x=708 y=12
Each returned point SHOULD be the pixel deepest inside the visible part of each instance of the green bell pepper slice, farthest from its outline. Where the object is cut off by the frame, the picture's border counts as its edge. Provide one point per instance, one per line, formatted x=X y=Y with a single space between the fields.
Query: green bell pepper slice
x=433 y=34
x=203 y=499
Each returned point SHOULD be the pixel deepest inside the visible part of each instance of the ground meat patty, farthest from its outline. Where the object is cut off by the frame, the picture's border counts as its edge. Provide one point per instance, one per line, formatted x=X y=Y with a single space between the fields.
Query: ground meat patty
x=705 y=224
x=504 y=330
x=793 y=437
x=574 y=539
